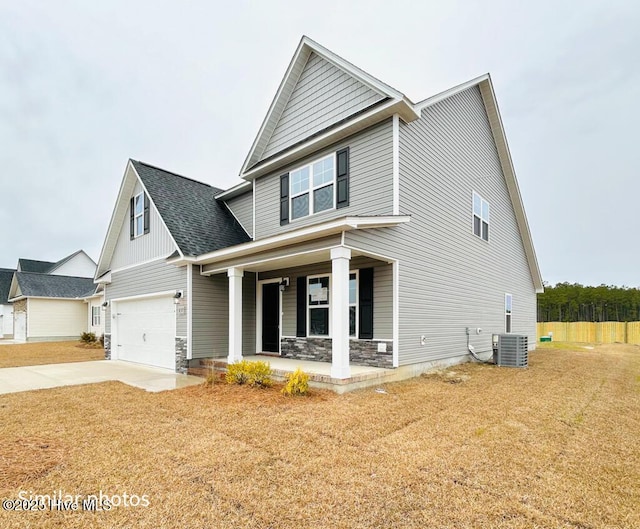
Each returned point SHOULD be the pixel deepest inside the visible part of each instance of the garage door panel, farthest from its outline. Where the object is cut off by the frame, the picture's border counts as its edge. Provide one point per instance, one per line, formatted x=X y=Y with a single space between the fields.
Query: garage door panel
x=146 y=331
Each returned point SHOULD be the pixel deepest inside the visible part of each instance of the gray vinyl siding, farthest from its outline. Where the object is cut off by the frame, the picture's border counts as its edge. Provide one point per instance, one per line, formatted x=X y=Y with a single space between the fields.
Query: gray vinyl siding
x=210 y=320
x=449 y=278
x=147 y=279
x=323 y=96
x=242 y=209
x=382 y=293
x=370 y=182
x=156 y=243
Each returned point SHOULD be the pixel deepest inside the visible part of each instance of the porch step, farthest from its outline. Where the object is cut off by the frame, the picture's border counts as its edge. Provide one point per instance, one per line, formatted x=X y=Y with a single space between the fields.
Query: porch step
x=371 y=377
x=205 y=365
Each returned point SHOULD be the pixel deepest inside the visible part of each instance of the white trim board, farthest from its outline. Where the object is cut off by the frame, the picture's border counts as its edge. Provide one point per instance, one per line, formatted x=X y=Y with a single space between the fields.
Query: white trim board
x=300 y=235
x=396 y=164
x=189 y=311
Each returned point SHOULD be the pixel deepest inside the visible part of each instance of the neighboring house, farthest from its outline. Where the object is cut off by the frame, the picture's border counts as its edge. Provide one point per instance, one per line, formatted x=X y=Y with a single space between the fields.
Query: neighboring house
x=6 y=308
x=54 y=301
x=368 y=230
x=78 y=264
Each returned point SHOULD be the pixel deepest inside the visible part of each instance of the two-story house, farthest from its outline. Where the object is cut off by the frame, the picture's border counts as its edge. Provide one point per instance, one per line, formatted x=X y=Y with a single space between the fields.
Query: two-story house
x=367 y=230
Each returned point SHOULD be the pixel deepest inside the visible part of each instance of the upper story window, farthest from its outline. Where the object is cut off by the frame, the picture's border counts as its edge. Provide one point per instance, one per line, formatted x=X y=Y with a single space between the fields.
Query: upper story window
x=321 y=185
x=313 y=188
x=480 y=217
x=139 y=215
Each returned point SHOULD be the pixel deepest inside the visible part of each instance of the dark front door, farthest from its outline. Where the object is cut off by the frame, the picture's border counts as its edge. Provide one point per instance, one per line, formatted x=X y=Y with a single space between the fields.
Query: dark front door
x=271 y=317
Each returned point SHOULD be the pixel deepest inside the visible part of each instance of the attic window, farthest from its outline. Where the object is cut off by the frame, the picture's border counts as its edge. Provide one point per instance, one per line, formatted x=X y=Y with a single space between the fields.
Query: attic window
x=138 y=215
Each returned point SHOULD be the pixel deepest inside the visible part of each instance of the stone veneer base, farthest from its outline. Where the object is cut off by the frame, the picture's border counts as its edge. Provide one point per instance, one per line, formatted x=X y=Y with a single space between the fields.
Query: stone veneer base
x=361 y=352
x=182 y=364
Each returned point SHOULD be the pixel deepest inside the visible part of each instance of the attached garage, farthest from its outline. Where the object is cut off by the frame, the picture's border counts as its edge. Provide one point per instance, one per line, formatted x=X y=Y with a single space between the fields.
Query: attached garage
x=144 y=331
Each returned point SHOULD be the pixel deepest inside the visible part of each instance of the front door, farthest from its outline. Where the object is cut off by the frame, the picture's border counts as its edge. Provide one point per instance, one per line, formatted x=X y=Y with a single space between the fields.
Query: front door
x=271 y=317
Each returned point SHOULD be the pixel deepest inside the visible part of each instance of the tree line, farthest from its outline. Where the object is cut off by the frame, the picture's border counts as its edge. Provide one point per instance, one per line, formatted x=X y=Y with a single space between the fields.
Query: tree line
x=574 y=302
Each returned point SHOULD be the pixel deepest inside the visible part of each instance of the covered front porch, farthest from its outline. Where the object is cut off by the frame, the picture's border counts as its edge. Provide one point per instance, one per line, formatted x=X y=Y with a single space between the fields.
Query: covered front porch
x=313 y=302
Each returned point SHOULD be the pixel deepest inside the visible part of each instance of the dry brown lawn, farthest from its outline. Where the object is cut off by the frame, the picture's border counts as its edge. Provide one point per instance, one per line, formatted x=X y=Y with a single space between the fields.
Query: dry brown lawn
x=31 y=354
x=552 y=446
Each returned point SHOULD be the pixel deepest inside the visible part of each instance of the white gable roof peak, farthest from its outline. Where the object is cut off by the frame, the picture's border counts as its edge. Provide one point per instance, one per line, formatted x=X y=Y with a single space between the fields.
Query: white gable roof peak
x=118 y=215
x=305 y=48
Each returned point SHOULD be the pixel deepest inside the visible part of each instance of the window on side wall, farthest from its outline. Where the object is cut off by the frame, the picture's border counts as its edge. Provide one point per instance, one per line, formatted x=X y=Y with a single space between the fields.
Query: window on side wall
x=312 y=188
x=508 y=306
x=95 y=316
x=480 y=217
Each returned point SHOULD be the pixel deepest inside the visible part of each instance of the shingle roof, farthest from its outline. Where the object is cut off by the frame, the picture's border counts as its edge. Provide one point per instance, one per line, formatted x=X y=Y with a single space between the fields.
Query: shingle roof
x=6 y=275
x=52 y=286
x=31 y=265
x=196 y=220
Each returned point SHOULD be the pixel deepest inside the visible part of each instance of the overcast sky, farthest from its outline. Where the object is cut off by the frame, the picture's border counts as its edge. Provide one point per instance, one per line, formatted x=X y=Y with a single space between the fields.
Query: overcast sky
x=185 y=85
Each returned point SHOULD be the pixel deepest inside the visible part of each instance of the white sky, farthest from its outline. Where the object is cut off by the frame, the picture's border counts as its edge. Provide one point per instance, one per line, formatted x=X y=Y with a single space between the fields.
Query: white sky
x=185 y=85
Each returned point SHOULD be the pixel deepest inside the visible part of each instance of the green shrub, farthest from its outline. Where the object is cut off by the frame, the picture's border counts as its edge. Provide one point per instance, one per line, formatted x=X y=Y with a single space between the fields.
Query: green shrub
x=251 y=373
x=101 y=340
x=297 y=383
x=88 y=337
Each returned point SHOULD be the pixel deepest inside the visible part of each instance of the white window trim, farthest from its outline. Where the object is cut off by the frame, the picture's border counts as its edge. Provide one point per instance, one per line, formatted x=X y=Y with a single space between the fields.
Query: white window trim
x=309 y=307
x=482 y=219
x=356 y=272
x=506 y=296
x=138 y=215
x=95 y=316
x=312 y=188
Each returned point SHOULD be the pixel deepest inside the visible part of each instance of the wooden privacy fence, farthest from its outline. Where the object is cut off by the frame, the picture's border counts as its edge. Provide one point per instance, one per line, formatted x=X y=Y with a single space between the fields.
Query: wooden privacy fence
x=585 y=331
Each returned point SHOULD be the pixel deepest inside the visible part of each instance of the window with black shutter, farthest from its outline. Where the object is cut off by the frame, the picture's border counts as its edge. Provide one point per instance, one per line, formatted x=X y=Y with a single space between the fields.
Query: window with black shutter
x=284 y=199
x=321 y=185
x=139 y=217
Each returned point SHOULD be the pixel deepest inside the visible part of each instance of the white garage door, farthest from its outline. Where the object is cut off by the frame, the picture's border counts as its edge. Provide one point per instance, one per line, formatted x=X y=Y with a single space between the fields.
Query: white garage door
x=146 y=330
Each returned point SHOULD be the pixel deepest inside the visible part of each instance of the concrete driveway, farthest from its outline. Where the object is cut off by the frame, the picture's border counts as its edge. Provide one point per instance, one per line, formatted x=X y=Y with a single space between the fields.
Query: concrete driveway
x=27 y=378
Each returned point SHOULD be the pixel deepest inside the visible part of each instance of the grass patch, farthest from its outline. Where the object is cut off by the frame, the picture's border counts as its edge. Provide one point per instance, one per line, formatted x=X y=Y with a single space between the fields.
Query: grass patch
x=554 y=445
x=38 y=353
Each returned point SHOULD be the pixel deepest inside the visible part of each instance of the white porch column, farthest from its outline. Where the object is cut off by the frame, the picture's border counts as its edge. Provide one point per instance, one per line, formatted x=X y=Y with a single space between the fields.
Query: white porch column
x=340 y=312
x=235 y=314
